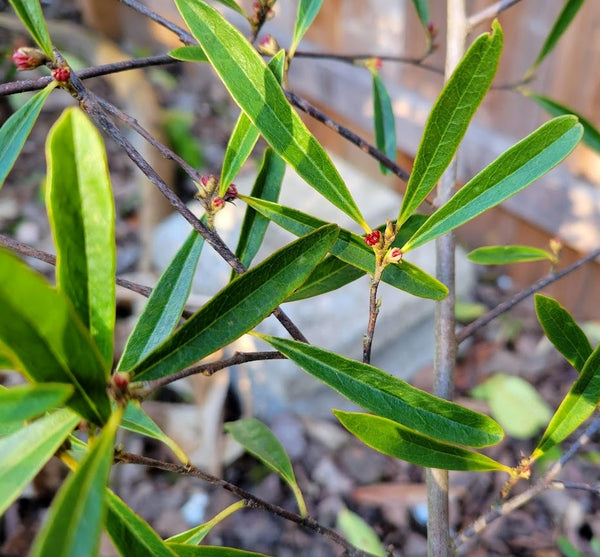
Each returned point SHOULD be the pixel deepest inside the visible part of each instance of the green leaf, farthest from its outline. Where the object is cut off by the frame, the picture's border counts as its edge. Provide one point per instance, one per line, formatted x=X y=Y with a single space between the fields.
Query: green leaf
x=42 y=332
x=82 y=217
x=76 y=517
x=332 y=273
x=591 y=135
x=562 y=331
x=24 y=452
x=233 y=5
x=507 y=396
x=266 y=186
x=352 y=249
x=576 y=407
x=390 y=397
x=307 y=11
x=503 y=255
x=385 y=123
x=28 y=401
x=184 y=550
x=188 y=54
x=395 y=440
x=198 y=533
x=511 y=172
x=359 y=533
x=259 y=440
x=422 y=9
x=256 y=90
x=570 y=9
x=165 y=305
x=15 y=130
x=30 y=13
x=131 y=534
x=239 y=307
x=450 y=116
x=136 y=420
x=245 y=135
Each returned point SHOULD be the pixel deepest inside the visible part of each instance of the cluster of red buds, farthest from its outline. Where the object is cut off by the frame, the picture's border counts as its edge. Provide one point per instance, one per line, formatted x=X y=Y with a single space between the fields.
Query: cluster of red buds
x=373 y=239
x=208 y=194
x=382 y=245
x=268 y=46
x=61 y=74
x=27 y=58
x=262 y=10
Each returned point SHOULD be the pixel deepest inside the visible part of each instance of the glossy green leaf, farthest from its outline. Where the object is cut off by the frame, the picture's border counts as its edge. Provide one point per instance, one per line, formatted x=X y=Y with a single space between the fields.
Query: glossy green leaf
x=395 y=440
x=511 y=172
x=131 y=534
x=30 y=13
x=576 y=407
x=15 y=130
x=450 y=116
x=188 y=54
x=332 y=273
x=507 y=396
x=256 y=90
x=28 y=401
x=184 y=550
x=390 y=397
x=259 y=440
x=591 y=135
x=239 y=307
x=24 y=452
x=422 y=9
x=198 y=533
x=503 y=255
x=352 y=249
x=136 y=420
x=562 y=331
x=165 y=305
x=76 y=517
x=566 y=15
x=245 y=135
x=82 y=218
x=385 y=123
x=42 y=332
x=266 y=186
x=359 y=533
x=307 y=11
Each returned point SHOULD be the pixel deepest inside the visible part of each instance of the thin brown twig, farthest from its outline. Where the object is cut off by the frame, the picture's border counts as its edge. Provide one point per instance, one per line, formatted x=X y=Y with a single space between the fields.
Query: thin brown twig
x=490 y=12
x=250 y=500
x=373 y=313
x=519 y=500
x=468 y=330
x=560 y=484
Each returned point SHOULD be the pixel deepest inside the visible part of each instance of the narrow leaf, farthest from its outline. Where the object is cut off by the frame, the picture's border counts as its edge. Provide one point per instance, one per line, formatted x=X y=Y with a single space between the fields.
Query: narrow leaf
x=511 y=172
x=165 y=305
x=422 y=9
x=15 y=130
x=569 y=11
x=390 y=397
x=24 y=452
x=30 y=13
x=503 y=255
x=82 y=217
x=42 y=332
x=266 y=186
x=184 y=550
x=188 y=54
x=76 y=517
x=239 y=307
x=259 y=440
x=562 y=331
x=450 y=116
x=29 y=401
x=131 y=534
x=352 y=249
x=136 y=420
x=359 y=533
x=256 y=90
x=591 y=135
x=385 y=123
x=245 y=135
x=395 y=440
x=307 y=11
x=576 y=407
x=233 y=5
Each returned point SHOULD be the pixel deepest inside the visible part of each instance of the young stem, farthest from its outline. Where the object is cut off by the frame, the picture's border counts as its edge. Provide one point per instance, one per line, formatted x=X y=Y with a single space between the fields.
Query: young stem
x=373 y=313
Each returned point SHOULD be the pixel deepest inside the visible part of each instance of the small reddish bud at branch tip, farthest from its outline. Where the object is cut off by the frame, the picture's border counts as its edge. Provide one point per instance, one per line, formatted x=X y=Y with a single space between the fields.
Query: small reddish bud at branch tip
x=61 y=74
x=268 y=45
x=121 y=380
x=218 y=202
x=432 y=29
x=231 y=193
x=27 y=58
x=373 y=238
x=377 y=63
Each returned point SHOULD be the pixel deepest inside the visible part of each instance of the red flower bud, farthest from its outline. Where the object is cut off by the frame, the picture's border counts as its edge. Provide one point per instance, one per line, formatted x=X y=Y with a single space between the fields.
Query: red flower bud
x=218 y=202
x=61 y=74
x=121 y=380
x=26 y=58
x=373 y=238
x=432 y=29
x=268 y=45
x=231 y=193
x=377 y=63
